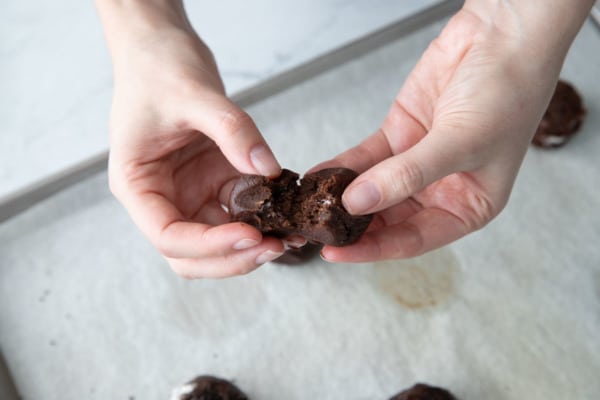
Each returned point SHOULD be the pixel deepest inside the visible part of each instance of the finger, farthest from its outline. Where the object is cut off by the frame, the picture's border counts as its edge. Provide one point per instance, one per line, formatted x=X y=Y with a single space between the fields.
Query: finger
x=426 y=230
x=234 y=131
x=400 y=212
x=175 y=237
x=195 y=240
x=359 y=158
x=232 y=264
x=294 y=242
x=397 y=178
x=395 y=214
x=212 y=214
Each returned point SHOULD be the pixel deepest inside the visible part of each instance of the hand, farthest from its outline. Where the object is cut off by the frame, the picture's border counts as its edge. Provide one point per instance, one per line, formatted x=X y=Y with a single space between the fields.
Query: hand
x=446 y=156
x=177 y=143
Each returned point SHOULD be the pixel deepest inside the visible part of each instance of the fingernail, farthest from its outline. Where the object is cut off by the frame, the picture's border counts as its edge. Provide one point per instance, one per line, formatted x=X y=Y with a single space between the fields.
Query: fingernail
x=245 y=244
x=264 y=161
x=294 y=242
x=361 y=198
x=324 y=258
x=267 y=256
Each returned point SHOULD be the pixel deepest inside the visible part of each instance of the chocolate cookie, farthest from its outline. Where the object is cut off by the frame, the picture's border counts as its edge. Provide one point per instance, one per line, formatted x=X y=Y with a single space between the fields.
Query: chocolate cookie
x=310 y=207
x=562 y=118
x=421 y=391
x=208 y=388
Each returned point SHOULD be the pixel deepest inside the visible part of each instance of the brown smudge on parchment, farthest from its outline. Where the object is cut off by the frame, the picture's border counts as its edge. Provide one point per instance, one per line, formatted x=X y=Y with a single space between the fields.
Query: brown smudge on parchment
x=424 y=281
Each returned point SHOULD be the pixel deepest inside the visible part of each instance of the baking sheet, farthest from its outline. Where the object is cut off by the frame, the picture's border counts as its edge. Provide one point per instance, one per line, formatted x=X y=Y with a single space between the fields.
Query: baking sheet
x=89 y=310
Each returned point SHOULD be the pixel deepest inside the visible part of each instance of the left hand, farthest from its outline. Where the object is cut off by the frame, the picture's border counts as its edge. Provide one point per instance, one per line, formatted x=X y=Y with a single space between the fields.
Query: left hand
x=177 y=145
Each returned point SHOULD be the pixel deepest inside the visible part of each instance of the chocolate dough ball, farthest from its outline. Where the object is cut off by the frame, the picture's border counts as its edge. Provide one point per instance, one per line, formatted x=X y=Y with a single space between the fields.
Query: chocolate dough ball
x=421 y=391
x=310 y=207
x=562 y=118
x=209 y=388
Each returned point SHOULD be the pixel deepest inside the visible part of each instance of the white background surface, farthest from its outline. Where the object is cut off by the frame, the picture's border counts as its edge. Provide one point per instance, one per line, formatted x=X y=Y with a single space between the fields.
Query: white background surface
x=89 y=310
x=55 y=74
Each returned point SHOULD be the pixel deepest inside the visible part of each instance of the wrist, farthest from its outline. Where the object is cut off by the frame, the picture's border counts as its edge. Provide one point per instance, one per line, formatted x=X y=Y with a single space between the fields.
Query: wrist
x=128 y=22
x=545 y=27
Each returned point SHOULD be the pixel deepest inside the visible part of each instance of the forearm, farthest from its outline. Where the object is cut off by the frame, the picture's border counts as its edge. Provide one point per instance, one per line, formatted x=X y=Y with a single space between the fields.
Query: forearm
x=127 y=20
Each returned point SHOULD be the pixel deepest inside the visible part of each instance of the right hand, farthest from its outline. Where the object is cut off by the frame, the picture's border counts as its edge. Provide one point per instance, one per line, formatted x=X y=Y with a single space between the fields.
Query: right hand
x=177 y=143
x=445 y=159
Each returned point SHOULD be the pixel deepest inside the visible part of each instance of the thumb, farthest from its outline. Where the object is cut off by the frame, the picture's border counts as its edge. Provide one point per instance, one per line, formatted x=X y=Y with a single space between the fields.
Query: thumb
x=400 y=176
x=236 y=134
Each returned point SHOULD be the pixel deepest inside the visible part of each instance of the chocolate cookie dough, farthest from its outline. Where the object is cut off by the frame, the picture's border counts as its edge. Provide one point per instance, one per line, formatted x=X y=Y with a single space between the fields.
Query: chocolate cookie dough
x=562 y=118
x=208 y=388
x=287 y=205
x=421 y=391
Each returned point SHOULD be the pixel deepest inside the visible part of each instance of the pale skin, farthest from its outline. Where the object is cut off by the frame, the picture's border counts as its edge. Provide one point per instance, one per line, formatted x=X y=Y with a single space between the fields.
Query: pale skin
x=441 y=165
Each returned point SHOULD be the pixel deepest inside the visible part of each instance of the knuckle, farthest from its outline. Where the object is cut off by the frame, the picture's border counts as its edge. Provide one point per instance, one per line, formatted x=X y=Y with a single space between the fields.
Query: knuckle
x=121 y=176
x=181 y=272
x=163 y=244
x=246 y=269
x=182 y=268
x=241 y=269
x=175 y=266
x=234 y=120
x=186 y=276
x=486 y=212
x=480 y=210
x=386 y=245
x=413 y=246
x=115 y=181
x=164 y=249
x=406 y=179
x=113 y=186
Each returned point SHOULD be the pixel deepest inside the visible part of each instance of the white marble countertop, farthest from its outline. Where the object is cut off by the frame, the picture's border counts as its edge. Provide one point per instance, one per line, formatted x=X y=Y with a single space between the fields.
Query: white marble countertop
x=55 y=74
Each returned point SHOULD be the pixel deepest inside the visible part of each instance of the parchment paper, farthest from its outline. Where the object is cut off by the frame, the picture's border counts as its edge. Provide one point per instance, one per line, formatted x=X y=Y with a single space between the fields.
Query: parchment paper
x=89 y=310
